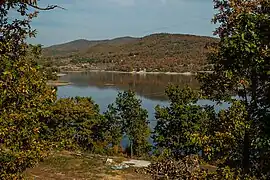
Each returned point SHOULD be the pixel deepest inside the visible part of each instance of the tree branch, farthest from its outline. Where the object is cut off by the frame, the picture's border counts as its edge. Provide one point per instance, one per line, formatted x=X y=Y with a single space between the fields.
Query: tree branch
x=49 y=7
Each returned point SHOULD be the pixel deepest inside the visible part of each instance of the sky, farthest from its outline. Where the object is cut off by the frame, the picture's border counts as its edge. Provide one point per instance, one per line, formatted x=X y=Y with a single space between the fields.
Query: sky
x=107 y=19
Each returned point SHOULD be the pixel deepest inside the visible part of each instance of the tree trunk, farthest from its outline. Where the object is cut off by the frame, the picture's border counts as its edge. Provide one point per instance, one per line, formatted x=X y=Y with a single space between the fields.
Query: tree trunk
x=253 y=105
x=131 y=148
x=246 y=153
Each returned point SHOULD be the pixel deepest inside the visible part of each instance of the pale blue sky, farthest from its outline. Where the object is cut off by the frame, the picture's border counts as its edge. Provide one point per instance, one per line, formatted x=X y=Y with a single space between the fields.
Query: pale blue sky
x=106 y=19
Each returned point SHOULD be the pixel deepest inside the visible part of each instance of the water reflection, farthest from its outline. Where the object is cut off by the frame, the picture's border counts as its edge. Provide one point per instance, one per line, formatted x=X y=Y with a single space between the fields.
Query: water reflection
x=151 y=86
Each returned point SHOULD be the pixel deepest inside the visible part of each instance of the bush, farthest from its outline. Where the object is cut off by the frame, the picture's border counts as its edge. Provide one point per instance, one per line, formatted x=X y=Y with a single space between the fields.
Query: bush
x=74 y=124
x=176 y=123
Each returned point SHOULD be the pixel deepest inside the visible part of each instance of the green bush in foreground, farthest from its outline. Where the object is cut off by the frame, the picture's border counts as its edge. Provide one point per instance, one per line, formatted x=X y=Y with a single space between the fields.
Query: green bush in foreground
x=177 y=122
x=74 y=124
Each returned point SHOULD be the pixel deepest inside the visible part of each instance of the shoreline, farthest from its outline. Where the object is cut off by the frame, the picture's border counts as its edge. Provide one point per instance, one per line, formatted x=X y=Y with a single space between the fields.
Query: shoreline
x=139 y=72
x=58 y=83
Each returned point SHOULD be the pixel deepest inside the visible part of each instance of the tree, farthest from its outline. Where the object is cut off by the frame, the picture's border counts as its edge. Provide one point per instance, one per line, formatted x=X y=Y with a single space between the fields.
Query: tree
x=73 y=124
x=132 y=118
x=177 y=122
x=112 y=128
x=24 y=95
x=27 y=3
x=241 y=67
x=224 y=140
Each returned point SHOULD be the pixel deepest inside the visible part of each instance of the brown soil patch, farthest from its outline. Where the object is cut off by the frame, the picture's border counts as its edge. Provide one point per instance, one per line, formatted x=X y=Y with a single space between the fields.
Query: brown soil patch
x=68 y=166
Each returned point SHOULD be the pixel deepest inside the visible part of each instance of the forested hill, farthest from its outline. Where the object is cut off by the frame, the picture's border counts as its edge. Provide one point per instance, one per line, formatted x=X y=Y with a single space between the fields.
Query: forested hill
x=81 y=45
x=156 y=52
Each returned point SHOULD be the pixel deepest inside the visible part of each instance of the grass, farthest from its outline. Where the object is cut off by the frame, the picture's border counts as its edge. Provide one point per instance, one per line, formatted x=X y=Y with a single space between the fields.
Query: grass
x=69 y=166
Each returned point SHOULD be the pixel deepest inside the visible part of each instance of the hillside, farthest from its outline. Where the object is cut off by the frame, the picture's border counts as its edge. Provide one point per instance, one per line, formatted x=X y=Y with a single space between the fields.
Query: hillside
x=156 y=52
x=80 y=45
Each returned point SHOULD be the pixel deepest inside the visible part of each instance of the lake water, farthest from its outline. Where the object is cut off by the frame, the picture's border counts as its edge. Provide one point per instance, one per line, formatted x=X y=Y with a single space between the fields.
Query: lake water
x=103 y=87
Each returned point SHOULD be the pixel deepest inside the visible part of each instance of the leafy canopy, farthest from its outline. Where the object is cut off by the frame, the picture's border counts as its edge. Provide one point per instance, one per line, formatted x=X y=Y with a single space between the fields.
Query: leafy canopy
x=176 y=123
x=241 y=68
x=128 y=117
x=24 y=95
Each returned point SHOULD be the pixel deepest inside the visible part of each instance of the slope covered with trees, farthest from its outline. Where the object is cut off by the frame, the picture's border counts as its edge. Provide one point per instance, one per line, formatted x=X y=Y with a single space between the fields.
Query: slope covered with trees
x=156 y=52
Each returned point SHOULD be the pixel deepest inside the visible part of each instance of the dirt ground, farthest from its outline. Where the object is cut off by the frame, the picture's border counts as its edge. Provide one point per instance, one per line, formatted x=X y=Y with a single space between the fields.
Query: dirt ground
x=69 y=166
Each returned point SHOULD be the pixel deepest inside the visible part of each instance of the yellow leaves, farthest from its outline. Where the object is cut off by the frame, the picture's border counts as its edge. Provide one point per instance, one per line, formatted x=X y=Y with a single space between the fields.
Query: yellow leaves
x=207 y=149
x=25 y=99
x=33 y=69
x=213 y=49
x=239 y=7
x=36 y=130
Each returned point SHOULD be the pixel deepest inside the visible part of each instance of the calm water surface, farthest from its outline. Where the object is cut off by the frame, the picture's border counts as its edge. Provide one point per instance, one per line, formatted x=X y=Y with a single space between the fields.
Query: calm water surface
x=104 y=86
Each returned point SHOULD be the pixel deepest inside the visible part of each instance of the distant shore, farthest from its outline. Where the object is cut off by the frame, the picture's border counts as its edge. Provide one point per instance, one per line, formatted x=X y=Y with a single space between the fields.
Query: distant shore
x=58 y=83
x=141 y=72
x=64 y=73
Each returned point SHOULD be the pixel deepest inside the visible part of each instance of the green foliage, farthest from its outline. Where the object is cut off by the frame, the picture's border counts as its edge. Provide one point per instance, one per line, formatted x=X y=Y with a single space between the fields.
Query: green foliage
x=34 y=54
x=241 y=58
x=24 y=96
x=112 y=127
x=229 y=173
x=128 y=117
x=189 y=168
x=241 y=67
x=235 y=139
x=74 y=124
x=83 y=60
x=224 y=141
x=177 y=122
x=51 y=73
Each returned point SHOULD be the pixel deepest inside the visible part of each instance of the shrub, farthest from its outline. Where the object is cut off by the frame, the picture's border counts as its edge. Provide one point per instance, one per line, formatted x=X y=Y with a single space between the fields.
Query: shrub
x=74 y=124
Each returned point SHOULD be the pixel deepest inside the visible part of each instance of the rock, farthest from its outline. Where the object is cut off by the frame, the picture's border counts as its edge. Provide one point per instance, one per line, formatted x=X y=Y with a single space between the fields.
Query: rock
x=109 y=161
x=120 y=167
x=137 y=163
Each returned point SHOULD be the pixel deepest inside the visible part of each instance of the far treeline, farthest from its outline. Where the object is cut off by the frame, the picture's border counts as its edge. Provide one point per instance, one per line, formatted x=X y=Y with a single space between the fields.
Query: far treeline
x=235 y=141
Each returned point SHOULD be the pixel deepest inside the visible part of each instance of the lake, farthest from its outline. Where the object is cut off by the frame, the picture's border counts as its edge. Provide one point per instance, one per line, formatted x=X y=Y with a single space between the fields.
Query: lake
x=104 y=86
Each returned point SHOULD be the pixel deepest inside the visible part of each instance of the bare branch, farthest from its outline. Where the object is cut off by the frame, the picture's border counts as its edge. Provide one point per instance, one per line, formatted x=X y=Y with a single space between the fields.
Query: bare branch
x=49 y=7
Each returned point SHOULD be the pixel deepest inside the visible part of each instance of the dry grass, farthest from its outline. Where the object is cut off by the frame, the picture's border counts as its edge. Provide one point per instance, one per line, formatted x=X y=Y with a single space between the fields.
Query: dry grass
x=68 y=166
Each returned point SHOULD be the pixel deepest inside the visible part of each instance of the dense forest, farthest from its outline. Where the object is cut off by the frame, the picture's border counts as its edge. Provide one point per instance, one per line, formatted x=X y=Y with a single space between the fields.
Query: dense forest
x=154 y=53
x=235 y=141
